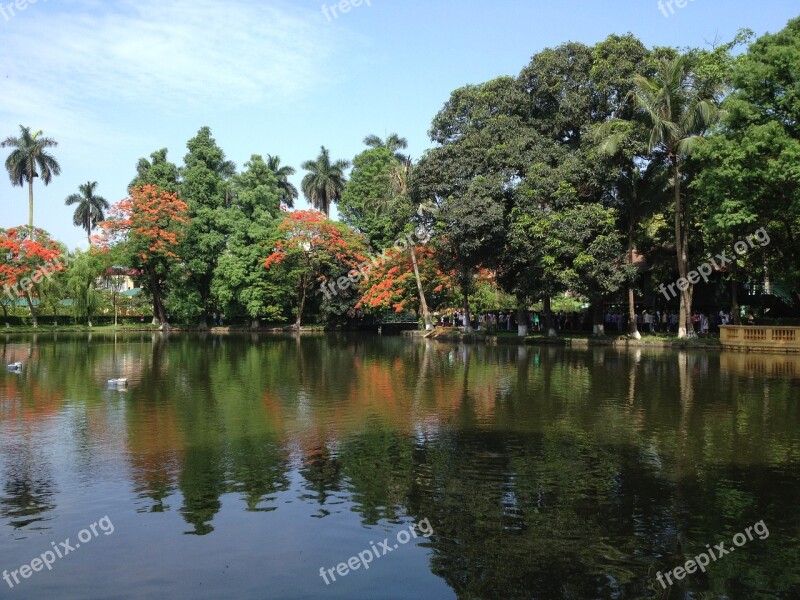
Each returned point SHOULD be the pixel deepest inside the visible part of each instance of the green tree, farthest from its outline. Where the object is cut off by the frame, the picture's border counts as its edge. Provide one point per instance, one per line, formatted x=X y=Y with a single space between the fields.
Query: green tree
x=241 y=285
x=90 y=210
x=282 y=173
x=81 y=277
x=749 y=175
x=679 y=108
x=158 y=171
x=325 y=181
x=206 y=187
x=365 y=198
x=29 y=159
x=393 y=143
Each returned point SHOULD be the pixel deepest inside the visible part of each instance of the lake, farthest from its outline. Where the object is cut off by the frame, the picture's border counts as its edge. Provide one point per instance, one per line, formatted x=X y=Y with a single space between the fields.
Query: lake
x=355 y=466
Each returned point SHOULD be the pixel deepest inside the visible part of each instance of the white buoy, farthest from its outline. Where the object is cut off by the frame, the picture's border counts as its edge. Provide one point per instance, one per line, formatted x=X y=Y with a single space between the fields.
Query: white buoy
x=17 y=366
x=122 y=382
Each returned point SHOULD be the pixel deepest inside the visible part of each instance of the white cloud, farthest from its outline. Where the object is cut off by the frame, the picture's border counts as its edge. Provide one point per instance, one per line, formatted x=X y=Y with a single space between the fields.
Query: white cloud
x=179 y=54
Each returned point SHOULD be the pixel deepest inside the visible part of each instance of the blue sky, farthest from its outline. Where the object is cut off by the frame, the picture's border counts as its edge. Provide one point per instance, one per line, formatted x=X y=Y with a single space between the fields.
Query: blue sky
x=115 y=80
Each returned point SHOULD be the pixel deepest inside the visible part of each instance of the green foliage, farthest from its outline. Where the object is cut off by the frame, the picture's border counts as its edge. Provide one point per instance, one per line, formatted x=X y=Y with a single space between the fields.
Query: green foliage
x=366 y=202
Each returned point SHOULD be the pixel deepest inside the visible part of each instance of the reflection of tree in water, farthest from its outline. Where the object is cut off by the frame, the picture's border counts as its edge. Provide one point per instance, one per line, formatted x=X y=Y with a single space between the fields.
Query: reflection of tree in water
x=29 y=490
x=202 y=482
x=322 y=471
x=259 y=472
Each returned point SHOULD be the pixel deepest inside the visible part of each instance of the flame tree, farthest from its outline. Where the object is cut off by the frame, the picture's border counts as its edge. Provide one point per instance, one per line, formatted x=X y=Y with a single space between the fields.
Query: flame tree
x=26 y=257
x=311 y=249
x=150 y=225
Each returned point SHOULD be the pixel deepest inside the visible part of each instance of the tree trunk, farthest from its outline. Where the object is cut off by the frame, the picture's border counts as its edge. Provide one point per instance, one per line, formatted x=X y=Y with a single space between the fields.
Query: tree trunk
x=302 y=304
x=423 y=304
x=685 y=327
x=31 y=308
x=633 y=330
x=598 y=316
x=548 y=317
x=467 y=315
x=522 y=319
x=30 y=205
x=159 y=314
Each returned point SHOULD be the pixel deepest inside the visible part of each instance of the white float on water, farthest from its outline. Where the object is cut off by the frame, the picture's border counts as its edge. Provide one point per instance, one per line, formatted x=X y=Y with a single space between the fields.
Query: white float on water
x=122 y=382
x=17 y=366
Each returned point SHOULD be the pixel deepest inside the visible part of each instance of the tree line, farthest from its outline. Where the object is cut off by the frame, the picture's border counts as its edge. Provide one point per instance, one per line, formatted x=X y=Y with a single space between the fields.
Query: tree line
x=598 y=173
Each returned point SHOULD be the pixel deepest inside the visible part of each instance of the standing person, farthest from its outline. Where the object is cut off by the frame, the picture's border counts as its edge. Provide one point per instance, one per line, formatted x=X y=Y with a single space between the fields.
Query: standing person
x=536 y=321
x=703 y=324
x=664 y=322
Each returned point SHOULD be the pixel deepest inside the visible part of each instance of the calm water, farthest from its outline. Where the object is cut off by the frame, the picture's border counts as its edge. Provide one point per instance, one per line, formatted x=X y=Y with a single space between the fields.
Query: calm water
x=237 y=467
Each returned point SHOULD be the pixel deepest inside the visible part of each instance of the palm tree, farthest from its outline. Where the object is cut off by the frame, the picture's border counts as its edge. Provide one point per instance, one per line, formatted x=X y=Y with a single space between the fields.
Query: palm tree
x=283 y=174
x=325 y=181
x=393 y=143
x=90 y=210
x=677 y=112
x=29 y=159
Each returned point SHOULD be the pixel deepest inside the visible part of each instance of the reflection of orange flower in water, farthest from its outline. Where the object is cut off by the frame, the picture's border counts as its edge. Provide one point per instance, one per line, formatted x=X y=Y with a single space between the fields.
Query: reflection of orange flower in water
x=155 y=443
x=29 y=404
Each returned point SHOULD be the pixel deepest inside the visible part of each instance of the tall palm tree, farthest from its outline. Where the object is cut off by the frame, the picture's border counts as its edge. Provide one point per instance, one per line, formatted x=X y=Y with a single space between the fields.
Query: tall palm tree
x=29 y=159
x=283 y=173
x=676 y=112
x=325 y=181
x=90 y=210
x=393 y=143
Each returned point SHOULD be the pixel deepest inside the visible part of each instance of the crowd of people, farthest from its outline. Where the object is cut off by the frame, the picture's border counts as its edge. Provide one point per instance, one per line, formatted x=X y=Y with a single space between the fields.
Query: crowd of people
x=647 y=321
x=667 y=321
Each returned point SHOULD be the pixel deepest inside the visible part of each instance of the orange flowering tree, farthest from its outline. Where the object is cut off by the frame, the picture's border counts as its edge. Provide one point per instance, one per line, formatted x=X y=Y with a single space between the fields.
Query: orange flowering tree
x=27 y=256
x=310 y=250
x=392 y=285
x=150 y=225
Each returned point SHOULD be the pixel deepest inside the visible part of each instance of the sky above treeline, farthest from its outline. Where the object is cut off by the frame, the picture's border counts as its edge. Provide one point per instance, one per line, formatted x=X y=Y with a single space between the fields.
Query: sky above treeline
x=114 y=80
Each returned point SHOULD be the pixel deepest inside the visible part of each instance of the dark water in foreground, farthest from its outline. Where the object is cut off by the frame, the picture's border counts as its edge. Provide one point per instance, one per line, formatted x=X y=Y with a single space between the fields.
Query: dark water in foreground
x=238 y=467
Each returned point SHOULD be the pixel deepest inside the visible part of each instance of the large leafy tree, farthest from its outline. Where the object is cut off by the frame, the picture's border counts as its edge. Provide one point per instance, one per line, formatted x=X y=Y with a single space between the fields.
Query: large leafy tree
x=241 y=285
x=750 y=173
x=325 y=181
x=207 y=188
x=469 y=177
x=29 y=159
x=90 y=209
x=151 y=223
x=364 y=200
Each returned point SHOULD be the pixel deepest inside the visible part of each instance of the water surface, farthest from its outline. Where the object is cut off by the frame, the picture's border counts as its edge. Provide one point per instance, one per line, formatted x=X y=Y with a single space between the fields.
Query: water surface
x=237 y=467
